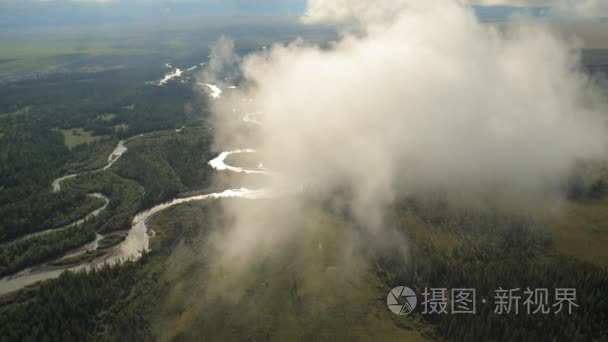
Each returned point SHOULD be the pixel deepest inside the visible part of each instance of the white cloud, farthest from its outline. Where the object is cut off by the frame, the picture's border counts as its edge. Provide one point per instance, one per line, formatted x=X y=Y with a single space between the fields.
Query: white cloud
x=429 y=100
x=343 y=10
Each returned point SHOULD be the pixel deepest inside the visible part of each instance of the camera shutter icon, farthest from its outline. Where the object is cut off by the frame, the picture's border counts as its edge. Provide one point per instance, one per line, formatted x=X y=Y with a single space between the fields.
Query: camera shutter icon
x=401 y=300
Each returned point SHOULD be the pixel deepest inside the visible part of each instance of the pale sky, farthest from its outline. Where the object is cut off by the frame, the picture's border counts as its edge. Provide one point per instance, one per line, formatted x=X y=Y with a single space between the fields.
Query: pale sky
x=42 y=13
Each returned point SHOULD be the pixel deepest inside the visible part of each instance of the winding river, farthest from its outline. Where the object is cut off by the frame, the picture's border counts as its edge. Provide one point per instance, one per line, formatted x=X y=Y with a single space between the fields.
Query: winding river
x=118 y=151
x=220 y=165
x=137 y=239
x=90 y=215
x=216 y=92
x=175 y=73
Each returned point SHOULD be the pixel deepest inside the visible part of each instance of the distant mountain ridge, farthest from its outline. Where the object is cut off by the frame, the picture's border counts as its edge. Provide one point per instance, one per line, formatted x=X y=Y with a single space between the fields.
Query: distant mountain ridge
x=36 y=14
x=27 y=14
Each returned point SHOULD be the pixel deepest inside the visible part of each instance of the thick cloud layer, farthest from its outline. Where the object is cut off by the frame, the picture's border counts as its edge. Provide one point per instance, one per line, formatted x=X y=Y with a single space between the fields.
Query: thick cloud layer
x=425 y=100
x=366 y=10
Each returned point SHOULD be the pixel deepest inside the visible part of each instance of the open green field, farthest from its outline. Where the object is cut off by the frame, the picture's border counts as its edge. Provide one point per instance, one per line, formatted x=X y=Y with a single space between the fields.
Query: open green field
x=34 y=55
x=581 y=230
x=78 y=136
